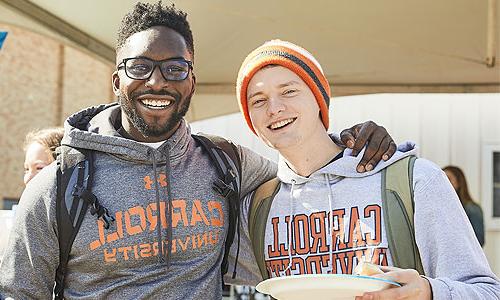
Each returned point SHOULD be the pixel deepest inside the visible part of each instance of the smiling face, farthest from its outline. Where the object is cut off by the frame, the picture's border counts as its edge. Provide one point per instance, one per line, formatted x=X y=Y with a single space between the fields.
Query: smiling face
x=36 y=158
x=153 y=108
x=283 y=109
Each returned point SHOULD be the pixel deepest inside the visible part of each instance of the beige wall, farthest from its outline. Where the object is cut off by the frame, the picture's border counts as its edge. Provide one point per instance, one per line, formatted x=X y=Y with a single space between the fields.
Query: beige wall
x=42 y=81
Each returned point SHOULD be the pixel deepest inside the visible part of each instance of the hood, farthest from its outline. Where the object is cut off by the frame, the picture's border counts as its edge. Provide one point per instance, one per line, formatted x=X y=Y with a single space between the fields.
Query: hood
x=95 y=128
x=345 y=166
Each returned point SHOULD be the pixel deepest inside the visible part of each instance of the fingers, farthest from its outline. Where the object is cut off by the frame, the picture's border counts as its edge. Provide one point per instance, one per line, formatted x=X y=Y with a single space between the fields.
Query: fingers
x=348 y=136
x=390 y=150
x=379 y=144
x=404 y=292
x=413 y=285
x=364 y=134
x=386 y=149
x=389 y=268
x=402 y=276
x=376 y=147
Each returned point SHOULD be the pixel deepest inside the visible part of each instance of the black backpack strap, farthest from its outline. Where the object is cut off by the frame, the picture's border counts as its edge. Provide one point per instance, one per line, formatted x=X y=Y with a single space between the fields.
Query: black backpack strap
x=74 y=182
x=227 y=161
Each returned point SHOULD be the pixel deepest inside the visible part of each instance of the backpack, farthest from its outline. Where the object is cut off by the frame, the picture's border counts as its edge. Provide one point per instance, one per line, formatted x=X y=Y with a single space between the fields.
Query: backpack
x=397 y=204
x=74 y=195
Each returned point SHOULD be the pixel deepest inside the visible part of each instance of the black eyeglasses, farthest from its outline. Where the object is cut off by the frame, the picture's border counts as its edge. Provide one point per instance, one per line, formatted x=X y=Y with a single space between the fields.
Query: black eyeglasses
x=141 y=68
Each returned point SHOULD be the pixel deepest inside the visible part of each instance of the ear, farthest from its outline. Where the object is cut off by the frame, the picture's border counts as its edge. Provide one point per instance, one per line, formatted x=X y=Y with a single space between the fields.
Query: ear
x=193 y=88
x=115 y=83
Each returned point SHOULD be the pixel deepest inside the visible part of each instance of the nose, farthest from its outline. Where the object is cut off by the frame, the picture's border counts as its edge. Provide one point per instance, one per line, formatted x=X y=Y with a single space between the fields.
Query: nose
x=156 y=81
x=28 y=176
x=275 y=106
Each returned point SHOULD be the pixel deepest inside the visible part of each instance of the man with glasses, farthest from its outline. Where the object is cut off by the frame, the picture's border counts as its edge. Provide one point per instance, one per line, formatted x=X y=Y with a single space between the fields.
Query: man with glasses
x=149 y=173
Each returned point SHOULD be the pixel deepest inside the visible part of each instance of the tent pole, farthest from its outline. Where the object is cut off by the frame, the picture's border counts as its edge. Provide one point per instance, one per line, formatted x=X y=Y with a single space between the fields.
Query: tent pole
x=492 y=36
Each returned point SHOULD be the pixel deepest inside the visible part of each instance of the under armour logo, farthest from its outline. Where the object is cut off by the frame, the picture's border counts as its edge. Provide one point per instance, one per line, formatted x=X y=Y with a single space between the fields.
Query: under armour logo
x=148 y=182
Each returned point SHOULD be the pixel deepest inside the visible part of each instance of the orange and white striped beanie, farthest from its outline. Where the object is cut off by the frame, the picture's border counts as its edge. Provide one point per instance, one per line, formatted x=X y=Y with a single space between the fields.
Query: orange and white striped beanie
x=293 y=57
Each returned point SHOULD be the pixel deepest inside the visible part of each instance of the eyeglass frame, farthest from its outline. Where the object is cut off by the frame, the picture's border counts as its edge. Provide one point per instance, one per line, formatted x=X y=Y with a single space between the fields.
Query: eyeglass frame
x=156 y=63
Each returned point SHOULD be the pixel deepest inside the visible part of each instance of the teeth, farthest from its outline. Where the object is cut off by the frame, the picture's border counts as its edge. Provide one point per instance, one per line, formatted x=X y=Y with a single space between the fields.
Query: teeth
x=156 y=104
x=281 y=123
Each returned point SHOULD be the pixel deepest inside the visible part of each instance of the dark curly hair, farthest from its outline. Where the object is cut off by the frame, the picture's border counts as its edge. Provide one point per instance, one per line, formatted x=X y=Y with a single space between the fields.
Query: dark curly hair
x=147 y=15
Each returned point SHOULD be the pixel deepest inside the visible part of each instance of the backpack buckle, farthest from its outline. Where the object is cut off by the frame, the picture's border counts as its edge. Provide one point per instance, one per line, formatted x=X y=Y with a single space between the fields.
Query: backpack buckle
x=223 y=189
x=96 y=208
x=230 y=176
x=77 y=191
x=102 y=213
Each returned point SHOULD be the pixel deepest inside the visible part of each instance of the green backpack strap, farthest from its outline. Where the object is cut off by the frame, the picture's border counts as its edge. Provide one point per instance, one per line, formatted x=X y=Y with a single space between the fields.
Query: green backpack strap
x=398 y=206
x=257 y=220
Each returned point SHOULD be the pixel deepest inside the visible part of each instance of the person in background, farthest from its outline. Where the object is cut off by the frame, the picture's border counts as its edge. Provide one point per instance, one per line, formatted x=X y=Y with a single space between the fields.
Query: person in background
x=39 y=149
x=472 y=209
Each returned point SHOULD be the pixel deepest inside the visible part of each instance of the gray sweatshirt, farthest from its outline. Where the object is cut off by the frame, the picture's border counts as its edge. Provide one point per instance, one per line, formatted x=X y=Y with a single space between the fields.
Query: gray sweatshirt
x=122 y=261
x=451 y=255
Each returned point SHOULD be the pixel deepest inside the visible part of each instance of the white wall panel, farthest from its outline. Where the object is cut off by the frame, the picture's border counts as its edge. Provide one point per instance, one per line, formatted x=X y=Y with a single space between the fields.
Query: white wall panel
x=345 y=112
x=490 y=117
x=465 y=139
x=449 y=129
x=397 y=113
x=406 y=118
x=434 y=129
x=489 y=123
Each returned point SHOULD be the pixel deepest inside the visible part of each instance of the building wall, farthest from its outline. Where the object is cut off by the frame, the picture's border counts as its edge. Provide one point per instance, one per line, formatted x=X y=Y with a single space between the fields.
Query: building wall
x=42 y=81
x=448 y=128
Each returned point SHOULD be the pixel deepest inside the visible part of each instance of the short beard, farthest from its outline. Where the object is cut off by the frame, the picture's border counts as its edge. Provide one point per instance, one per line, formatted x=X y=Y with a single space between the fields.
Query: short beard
x=153 y=131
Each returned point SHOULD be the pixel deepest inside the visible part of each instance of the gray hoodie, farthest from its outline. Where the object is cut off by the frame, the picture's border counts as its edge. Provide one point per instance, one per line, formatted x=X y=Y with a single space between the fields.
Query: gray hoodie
x=123 y=261
x=451 y=255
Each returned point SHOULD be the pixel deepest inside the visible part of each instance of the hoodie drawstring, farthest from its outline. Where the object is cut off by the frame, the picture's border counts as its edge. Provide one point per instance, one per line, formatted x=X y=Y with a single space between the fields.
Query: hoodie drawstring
x=169 y=207
x=290 y=221
x=330 y=220
x=158 y=218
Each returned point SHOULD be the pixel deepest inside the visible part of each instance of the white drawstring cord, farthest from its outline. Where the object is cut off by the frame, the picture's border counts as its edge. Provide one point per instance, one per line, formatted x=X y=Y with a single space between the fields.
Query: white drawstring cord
x=290 y=230
x=330 y=220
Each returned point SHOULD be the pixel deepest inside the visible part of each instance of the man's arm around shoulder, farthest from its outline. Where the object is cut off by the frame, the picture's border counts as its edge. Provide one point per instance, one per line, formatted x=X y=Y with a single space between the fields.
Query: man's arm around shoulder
x=255 y=170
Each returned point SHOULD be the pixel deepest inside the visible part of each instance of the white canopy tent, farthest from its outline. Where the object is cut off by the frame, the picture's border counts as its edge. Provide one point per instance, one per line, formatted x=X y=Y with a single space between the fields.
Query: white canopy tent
x=364 y=47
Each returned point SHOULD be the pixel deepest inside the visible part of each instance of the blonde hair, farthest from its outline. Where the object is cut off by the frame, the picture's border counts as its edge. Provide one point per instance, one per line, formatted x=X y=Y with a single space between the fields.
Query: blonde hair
x=48 y=137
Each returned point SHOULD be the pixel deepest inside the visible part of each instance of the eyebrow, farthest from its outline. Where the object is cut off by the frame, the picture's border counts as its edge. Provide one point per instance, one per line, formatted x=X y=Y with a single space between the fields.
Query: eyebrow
x=255 y=94
x=291 y=82
x=170 y=58
x=288 y=83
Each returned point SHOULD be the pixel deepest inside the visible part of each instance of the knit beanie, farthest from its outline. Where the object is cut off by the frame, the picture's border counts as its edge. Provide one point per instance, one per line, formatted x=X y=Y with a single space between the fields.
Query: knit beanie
x=293 y=57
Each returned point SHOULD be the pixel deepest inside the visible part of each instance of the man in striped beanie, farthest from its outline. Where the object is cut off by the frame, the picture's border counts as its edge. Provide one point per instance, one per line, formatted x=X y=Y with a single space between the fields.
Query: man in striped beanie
x=292 y=57
x=304 y=65
x=323 y=217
